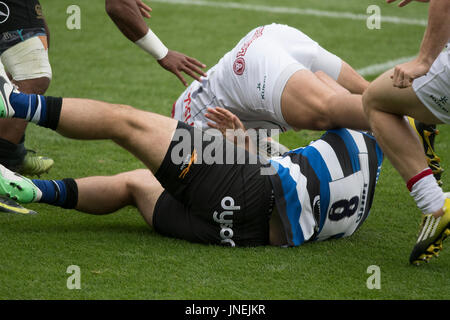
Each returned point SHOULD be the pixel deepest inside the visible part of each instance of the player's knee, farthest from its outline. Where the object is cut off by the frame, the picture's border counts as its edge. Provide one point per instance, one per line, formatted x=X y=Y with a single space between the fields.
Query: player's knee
x=125 y=108
x=130 y=115
x=34 y=86
x=133 y=180
x=42 y=85
x=121 y=121
x=370 y=100
x=140 y=180
x=122 y=112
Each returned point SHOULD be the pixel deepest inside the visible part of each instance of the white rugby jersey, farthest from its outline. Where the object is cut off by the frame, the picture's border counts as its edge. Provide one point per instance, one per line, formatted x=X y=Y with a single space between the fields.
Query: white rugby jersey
x=433 y=89
x=325 y=190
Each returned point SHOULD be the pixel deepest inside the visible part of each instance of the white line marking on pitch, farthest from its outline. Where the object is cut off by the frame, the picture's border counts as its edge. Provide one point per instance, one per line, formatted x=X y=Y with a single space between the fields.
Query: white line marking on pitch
x=382 y=67
x=365 y=71
x=292 y=10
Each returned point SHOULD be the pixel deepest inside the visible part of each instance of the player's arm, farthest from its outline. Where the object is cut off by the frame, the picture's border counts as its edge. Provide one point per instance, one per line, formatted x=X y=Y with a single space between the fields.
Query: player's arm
x=436 y=37
x=438 y=31
x=128 y=15
x=405 y=2
x=231 y=127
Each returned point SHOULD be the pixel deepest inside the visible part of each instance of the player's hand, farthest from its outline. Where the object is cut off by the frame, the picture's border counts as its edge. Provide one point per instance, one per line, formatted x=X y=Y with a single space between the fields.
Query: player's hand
x=223 y=120
x=227 y=123
x=404 y=74
x=405 y=2
x=145 y=9
x=177 y=62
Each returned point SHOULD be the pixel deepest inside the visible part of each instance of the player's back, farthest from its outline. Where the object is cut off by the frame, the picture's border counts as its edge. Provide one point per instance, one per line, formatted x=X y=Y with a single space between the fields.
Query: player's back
x=325 y=190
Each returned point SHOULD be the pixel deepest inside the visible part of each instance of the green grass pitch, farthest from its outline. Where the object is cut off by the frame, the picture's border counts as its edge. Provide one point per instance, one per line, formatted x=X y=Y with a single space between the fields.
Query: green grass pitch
x=121 y=258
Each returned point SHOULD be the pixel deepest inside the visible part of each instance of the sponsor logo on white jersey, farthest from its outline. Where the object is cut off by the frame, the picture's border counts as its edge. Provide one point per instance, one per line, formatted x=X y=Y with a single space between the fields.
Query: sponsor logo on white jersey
x=239 y=63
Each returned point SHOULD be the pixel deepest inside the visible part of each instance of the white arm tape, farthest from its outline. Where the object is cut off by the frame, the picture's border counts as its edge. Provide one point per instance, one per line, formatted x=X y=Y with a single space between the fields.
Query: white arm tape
x=151 y=44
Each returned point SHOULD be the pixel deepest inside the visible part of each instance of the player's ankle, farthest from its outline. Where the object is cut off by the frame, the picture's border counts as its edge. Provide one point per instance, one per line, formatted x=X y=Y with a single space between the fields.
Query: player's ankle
x=438 y=213
x=427 y=194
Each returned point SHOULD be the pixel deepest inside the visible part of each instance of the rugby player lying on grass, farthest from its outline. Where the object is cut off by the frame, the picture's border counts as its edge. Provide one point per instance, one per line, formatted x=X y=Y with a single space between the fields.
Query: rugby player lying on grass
x=276 y=77
x=322 y=191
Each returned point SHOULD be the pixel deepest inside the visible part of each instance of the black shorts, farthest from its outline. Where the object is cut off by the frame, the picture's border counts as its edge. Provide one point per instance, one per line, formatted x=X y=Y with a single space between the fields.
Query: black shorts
x=227 y=204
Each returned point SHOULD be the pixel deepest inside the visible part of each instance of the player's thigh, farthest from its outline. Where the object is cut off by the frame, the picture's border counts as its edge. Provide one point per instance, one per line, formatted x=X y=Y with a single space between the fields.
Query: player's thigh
x=174 y=219
x=28 y=60
x=383 y=96
x=238 y=219
x=145 y=191
x=304 y=101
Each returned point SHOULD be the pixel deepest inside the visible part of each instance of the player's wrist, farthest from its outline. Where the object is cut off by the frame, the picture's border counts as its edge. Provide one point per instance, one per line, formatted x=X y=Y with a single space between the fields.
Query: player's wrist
x=153 y=45
x=425 y=60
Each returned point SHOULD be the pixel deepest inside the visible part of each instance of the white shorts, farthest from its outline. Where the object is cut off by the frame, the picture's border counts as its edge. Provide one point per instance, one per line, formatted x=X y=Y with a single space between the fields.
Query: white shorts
x=27 y=60
x=250 y=79
x=433 y=89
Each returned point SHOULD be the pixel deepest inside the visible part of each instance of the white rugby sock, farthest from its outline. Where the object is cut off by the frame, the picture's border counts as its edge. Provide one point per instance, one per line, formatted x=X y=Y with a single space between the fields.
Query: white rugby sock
x=426 y=192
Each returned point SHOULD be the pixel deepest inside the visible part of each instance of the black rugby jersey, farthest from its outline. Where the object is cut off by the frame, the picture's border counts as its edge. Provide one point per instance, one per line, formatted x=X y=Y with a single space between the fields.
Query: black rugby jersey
x=20 y=14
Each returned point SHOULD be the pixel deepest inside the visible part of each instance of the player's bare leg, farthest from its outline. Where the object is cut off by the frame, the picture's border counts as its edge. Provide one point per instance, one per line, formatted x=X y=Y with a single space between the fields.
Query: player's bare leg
x=331 y=83
x=352 y=80
x=107 y=194
x=385 y=106
x=308 y=103
x=146 y=135
x=97 y=195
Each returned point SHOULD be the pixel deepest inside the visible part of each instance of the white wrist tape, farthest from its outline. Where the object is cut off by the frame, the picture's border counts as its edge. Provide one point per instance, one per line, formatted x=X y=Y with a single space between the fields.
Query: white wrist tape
x=151 y=44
